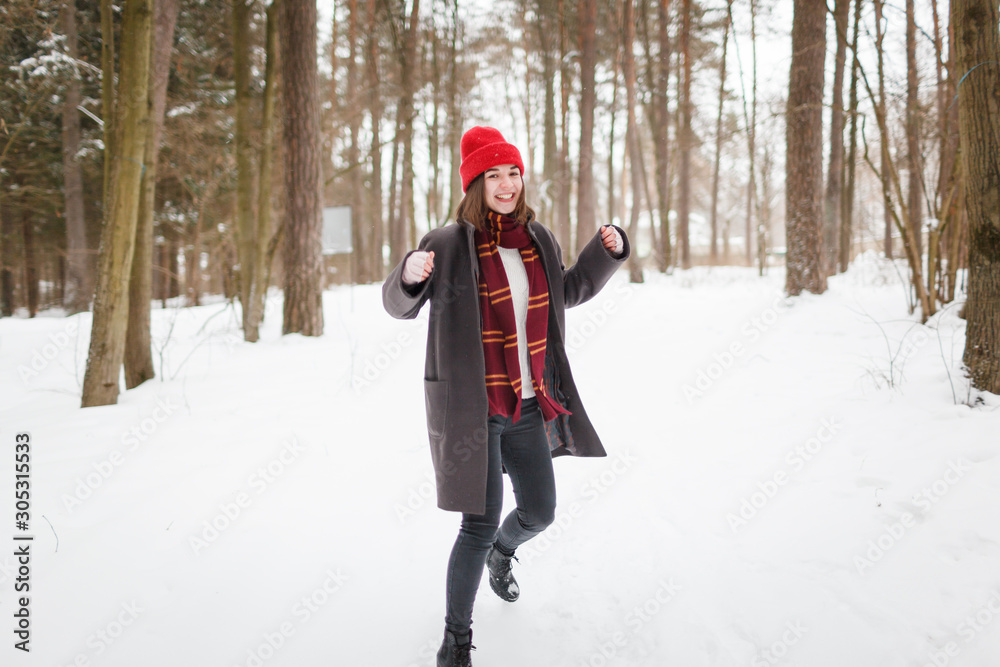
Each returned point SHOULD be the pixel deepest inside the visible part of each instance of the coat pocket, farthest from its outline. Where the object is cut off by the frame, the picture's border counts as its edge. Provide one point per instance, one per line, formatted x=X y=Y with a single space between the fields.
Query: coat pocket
x=436 y=398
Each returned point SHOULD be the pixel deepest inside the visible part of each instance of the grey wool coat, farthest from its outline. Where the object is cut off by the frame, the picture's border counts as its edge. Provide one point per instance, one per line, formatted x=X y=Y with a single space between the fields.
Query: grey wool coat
x=454 y=370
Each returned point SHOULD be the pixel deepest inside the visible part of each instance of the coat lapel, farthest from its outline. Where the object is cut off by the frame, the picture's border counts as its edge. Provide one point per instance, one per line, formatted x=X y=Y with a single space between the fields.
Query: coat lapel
x=470 y=236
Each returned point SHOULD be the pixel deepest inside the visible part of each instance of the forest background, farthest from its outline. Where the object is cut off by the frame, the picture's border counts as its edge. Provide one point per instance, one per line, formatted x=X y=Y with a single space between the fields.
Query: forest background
x=177 y=150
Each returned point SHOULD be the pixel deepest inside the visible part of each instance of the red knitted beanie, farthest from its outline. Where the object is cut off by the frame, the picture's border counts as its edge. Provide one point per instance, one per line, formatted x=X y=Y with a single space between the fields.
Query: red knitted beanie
x=483 y=148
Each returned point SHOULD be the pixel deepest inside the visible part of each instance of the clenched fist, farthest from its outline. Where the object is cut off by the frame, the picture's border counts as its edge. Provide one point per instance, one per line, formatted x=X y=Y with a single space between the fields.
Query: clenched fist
x=418 y=266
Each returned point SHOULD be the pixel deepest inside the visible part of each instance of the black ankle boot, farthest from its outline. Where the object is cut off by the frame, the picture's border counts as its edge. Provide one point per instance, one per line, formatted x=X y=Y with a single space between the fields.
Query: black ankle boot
x=455 y=654
x=501 y=578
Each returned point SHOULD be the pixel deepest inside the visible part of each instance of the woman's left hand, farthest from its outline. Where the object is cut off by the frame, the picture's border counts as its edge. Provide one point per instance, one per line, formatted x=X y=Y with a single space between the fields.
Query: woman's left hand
x=611 y=238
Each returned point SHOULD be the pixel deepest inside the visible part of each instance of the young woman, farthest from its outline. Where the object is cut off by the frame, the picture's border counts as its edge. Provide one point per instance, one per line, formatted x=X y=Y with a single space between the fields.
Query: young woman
x=499 y=393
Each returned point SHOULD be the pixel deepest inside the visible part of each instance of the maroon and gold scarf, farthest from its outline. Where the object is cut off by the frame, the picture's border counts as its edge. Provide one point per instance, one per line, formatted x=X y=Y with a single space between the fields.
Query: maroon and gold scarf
x=503 y=369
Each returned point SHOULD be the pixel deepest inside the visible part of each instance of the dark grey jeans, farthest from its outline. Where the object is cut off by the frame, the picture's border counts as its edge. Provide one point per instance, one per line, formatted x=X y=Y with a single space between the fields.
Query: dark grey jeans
x=524 y=451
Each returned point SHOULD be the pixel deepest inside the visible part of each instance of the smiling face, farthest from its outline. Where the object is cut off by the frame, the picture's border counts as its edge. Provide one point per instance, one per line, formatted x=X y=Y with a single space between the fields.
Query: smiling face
x=503 y=187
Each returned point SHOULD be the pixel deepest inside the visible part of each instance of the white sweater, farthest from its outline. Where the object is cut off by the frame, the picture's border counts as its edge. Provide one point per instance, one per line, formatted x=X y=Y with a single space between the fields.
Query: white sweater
x=518 y=279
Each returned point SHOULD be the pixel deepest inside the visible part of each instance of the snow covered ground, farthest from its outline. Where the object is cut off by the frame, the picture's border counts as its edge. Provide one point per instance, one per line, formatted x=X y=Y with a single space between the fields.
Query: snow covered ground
x=790 y=482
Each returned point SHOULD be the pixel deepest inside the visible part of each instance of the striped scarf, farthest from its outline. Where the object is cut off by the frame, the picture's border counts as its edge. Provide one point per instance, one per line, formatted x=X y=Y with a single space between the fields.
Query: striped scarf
x=503 y=368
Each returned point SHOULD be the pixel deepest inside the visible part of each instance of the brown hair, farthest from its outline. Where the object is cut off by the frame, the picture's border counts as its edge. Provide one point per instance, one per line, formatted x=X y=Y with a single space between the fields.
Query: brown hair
x=473 y=208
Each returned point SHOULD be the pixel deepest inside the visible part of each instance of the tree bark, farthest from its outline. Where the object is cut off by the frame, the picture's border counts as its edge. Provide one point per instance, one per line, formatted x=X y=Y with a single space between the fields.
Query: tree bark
x=835 y=170
x=632 y=136
x=847 y=203
x=334 y=65
x=192 y=273
x=262 y=260
x=977 y=39
x=586 y=201
x=612 y=118
x=138 y=347
x=404 y=227
x=662 y=136
x=374 y=204
x=804 y=150
x=884 y=154
x=79 y=275
x=550 y=146
x=360 y=238
x=949 y=152
x=454 y=118
x=303 y=309
x=173 y=264
x=434 y=135
x=564 y=179
x=393 y=220
x=30 y=262
x=649 y=112
x=107 y=337
x=246 y=227
x=7 y=304
x=713 y=248
x=915 y=194
x=107 y=95
x=685 y=140
x=752 y=152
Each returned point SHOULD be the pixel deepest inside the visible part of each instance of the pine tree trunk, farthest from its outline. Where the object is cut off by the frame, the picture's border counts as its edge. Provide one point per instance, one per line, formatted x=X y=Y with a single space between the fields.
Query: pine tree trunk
x=262 y=261
x=30 y=262
x=835 y=170
x=7 y=304
x=374 y=204
x=685 y=140
x=977 y=39
x=550 y=154
x=804 y=150
x=434 y=136
x=752 y=152
x=193 y=277
x=393 y=219
x=938 y=234
x=915 y=198
x=107 y=337
x=564 y=180
x=334 y=65
x=884 y=154
x=138 y=347
x=303 y=311
x=246 y=222
x=613 y=116
x=649 y=113
x=107 y=95
x=713 y=248
x=174 y=266
x=160 y=273
x=586 y=202
x=454 y=120
x=360 y=238
x=79 y=276
x=950 y=143
x=632 y=136
x=847 y=203
x=764 y=212
x=661 y=105
x=408 y=73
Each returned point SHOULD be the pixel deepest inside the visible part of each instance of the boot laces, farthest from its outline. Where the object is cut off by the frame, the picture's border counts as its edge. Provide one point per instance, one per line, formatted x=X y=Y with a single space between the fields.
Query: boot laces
x=505 y=562
x=463 y=653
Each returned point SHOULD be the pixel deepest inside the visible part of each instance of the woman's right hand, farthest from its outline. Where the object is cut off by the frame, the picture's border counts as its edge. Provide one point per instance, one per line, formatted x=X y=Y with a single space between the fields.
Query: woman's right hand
x=418 y=266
